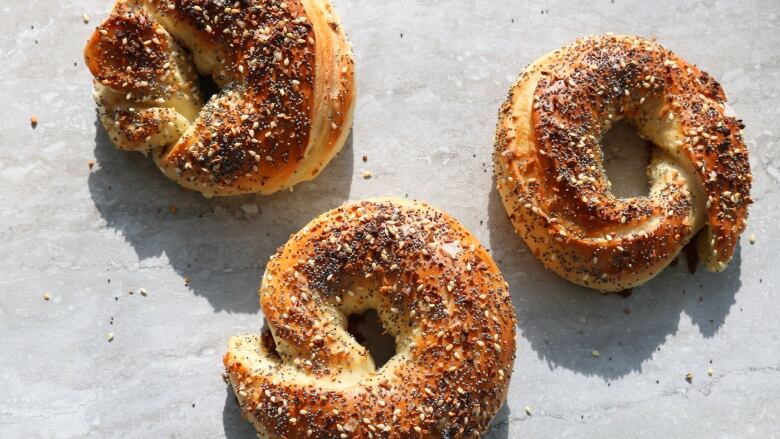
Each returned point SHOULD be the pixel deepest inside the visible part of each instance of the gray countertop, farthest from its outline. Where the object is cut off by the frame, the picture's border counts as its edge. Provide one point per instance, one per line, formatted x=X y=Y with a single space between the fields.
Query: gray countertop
x=431 y=75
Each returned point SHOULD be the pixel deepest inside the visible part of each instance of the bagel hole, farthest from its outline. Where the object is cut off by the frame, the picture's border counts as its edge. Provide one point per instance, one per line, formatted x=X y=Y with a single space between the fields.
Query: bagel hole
x=367 y=330
x=267 y=341
x=626 y=157
x=207 y=86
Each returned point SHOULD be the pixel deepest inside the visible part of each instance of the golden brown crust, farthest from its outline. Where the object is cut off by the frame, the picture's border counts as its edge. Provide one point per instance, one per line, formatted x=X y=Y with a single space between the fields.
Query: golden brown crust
x=549 y=164
x=127 y=53
x=436 y=290
x=287 y=94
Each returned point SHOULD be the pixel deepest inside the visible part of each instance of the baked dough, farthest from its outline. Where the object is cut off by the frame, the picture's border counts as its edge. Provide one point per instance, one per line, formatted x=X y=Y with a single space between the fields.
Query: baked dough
x=435 y=289
x=286 y=78
x=549 y=172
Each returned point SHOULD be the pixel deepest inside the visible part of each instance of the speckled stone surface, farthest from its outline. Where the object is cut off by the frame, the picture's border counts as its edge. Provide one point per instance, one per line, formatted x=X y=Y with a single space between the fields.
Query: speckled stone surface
x=431 y=75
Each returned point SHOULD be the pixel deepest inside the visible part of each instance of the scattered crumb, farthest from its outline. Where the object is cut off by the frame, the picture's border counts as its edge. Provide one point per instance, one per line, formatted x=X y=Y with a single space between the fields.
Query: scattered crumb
x=365 y=158
x=142 y=291
x=91 y=164
x=174 y=209
x=752 y=238
x=110 y=337
x=710 y=371
x=689 y=377
x=595 y=353
x=130 y=292
x=187 y=281
x=85 y=17
x=250 y=209
x=528 y=410
x=367 y=175
x=46 y=296
x=34 y=121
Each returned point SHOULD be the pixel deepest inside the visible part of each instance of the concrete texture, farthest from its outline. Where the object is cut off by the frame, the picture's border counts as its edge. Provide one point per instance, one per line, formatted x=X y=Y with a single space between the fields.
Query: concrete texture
x=431 y=75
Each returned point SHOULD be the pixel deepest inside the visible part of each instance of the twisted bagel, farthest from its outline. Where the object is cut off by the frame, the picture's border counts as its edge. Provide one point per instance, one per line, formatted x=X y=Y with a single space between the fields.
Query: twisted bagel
x=549 y=172
x=287 y=92
x=435 y=289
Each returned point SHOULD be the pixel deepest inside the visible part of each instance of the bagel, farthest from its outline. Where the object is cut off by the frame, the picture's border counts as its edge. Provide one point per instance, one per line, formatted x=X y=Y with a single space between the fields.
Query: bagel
x=435 y=289
x=549 y=162
x=286 y=78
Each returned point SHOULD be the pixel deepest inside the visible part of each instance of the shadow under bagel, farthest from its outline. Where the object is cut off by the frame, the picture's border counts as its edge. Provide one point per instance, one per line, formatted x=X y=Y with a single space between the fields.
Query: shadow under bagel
x=564 y=323
x=219 y=246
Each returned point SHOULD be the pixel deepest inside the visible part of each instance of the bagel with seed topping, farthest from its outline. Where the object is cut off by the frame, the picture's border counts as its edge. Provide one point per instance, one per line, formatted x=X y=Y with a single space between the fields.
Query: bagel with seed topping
x=549 y=162
x=286 y=89
x=436 y=290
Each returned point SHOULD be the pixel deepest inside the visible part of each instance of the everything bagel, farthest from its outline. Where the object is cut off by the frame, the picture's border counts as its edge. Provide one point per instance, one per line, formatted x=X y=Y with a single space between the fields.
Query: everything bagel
x=548 y=162
x=286 y=98
x=435 y=289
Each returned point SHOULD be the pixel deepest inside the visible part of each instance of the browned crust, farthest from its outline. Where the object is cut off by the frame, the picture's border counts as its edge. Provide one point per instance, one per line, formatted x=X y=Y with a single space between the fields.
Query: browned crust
x=549 y=165
x=452 y=380
x=127 y=53
x=256 y=134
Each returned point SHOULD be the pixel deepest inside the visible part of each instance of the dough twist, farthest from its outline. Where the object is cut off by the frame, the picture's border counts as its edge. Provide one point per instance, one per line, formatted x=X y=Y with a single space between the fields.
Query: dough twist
x=549 y=171
x=435 y=289
x=286 y=100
